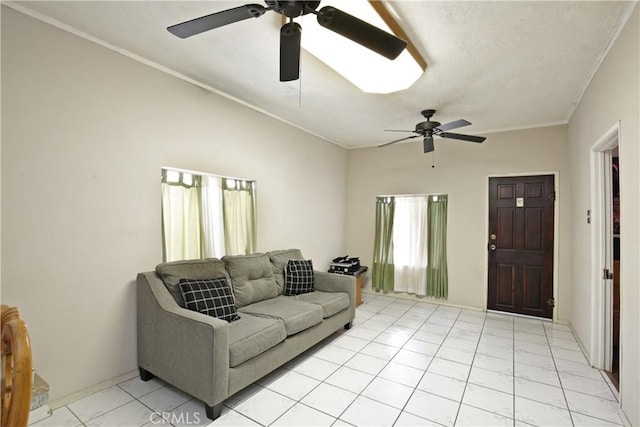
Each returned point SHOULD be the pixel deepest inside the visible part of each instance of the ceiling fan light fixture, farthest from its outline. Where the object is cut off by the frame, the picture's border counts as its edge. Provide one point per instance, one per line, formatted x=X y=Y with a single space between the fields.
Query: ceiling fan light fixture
x=367 y=70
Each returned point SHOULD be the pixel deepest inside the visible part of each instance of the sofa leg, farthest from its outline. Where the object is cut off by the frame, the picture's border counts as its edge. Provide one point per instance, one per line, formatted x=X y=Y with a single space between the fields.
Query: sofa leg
x=214 y=411
x=348 y=326
x=145 y=375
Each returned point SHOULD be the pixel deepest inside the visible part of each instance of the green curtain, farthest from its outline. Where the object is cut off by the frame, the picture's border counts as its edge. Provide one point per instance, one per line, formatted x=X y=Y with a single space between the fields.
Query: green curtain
x=383 y=269
x=181 y=218
x=238 y=208
x=437 y=276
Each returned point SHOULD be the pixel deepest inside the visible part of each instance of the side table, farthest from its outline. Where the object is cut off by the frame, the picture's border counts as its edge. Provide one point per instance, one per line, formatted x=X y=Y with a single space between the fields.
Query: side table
x=358 y=275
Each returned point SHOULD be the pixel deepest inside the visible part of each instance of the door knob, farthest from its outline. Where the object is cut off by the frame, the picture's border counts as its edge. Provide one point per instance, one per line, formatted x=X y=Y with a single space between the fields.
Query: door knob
x=492 y=247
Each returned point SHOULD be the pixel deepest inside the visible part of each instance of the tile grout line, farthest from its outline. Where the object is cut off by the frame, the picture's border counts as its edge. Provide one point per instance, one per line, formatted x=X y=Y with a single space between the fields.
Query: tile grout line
x=374 y=377
x=470 y=368
x=387 y=364
x=74 y=414
x=559 y=379
x=423 y=374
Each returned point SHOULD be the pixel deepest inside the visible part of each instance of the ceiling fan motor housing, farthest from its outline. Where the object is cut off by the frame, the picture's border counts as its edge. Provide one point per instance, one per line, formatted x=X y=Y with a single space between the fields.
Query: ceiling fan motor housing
x=426 y=127
x=292 y=9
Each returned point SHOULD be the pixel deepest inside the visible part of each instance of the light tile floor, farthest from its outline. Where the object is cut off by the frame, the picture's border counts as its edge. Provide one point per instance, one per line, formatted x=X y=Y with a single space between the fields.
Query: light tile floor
x=404 y=363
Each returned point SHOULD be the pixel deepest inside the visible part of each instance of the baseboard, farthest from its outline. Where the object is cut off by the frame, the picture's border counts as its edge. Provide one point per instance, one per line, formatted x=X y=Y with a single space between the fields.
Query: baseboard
x=55 y=404
x=583 y=349
x=410 y=297
x=39 y=414
x=624 y=418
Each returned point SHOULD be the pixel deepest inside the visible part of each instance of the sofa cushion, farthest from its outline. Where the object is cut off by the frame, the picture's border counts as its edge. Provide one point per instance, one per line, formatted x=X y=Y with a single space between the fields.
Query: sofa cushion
x=279 y=261
x=296 y=315
x=212 y=297
x=251 y=335
x=251 y=278
x=331 y=302
x=298 y=277
x=172 y=272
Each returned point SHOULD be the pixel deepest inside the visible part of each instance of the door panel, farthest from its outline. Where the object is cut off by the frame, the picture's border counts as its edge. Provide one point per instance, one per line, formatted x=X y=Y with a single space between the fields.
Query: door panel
x=505 y=285
x=532 y=287
x=521 y=245
x=533 y=229
x=505 y=228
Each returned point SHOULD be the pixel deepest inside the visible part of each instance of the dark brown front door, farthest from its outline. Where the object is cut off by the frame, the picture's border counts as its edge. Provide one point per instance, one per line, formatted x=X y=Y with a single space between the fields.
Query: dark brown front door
x=520 y=245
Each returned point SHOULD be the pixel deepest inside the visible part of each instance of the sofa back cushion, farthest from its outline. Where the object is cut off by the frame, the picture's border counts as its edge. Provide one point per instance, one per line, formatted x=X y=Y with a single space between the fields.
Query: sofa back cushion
x=279 y=260
x=172 y=272
x=251 y=278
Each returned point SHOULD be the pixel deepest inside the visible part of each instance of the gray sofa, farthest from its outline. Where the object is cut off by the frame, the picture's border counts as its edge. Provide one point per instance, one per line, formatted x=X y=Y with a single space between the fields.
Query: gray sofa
x=211 y=359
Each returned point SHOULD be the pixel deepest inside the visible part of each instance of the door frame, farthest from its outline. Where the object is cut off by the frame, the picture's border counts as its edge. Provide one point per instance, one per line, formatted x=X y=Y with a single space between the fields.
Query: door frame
x=601 y=295
x=556 y=225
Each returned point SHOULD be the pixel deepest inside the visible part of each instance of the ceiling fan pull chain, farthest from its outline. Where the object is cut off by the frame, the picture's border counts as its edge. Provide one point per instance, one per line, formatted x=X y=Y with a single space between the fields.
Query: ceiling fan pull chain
x=433 y=160
x=300 y=71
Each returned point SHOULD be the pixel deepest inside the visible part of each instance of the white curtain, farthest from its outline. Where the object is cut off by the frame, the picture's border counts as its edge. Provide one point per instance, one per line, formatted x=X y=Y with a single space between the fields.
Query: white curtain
x=181 y=220
x=212 y=218
x=410 y=249
x=239 y=216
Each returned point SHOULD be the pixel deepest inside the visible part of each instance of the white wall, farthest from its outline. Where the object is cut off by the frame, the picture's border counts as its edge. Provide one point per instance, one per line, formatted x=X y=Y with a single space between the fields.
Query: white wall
x=462 y=171
x=85 y=132
x=612 y=96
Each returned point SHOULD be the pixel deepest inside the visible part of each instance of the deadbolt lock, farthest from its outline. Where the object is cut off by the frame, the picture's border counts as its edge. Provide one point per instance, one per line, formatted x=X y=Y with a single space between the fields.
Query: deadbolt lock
x=494 y=237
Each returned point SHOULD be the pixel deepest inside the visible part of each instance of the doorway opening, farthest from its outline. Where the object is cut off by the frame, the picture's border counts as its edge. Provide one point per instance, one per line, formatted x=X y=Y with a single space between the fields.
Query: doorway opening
x=605 y=253
x=614 y=374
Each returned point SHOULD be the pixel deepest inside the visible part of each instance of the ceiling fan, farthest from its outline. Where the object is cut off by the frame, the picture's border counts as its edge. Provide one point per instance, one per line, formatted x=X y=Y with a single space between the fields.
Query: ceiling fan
x=427 y=129
x=329 y=17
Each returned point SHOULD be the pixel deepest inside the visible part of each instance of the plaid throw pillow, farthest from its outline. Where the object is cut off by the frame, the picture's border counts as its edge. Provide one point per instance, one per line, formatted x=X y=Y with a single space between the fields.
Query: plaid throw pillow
x=212 y=297
x=298 y=277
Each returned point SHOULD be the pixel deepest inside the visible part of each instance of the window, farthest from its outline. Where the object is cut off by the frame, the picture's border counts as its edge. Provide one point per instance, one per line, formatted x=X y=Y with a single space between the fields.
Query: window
x=410 y=245
x=206 y=216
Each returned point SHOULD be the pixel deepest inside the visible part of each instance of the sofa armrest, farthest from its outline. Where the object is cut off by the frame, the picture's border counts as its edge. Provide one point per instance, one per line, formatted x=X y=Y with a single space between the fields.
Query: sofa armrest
x=331 y=282
x=187 y=349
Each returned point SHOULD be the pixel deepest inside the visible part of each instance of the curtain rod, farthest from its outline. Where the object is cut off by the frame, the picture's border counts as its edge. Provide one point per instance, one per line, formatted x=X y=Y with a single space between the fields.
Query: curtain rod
x=169 y=168
x=412 y=195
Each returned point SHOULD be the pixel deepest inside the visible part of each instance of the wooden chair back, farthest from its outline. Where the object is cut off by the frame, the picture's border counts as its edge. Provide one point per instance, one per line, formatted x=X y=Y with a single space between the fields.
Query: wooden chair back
x=17 y=376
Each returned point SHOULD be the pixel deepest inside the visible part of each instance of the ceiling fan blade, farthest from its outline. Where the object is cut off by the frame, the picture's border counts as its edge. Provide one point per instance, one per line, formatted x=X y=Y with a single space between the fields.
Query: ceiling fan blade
x=453 y=125
x=427 y=143
x=398 y=130
x=397 y=140
x=215 y=20
x=471 y=138
x=361 y=32
x=290 y=36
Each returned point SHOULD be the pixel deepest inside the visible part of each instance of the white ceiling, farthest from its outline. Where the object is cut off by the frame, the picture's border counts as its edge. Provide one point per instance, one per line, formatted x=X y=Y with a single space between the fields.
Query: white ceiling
x=500 y=65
